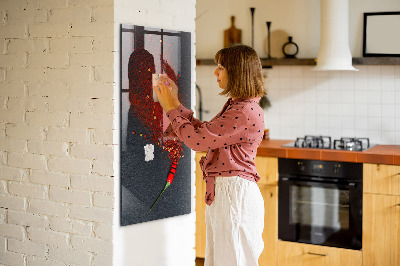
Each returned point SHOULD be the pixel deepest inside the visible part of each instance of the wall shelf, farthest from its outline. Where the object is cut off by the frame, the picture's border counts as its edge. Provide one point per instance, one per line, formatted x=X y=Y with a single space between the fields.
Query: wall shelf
x=312 y=61
x=376 y=61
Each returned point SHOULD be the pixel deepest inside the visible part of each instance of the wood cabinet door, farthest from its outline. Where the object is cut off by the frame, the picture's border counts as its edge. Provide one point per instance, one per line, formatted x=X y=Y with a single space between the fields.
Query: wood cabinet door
x=381 y=230
x=200 y=209
x=270 y=233
x=298 y=254
x=381 y=179
x=267 y=168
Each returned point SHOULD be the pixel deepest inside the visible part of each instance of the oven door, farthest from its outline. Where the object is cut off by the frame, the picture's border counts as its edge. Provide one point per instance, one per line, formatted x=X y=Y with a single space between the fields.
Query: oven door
x=320 y=212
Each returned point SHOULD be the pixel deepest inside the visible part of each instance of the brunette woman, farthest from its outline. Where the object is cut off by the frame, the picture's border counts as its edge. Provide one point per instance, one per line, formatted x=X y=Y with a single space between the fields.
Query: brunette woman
x=235 y=207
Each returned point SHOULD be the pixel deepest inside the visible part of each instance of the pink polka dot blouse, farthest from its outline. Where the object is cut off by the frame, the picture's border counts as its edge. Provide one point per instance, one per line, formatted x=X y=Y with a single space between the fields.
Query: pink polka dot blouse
x=231 y=139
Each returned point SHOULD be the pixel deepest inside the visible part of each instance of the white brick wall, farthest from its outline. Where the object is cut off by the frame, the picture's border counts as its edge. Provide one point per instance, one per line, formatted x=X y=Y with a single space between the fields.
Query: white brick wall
x=56 y=126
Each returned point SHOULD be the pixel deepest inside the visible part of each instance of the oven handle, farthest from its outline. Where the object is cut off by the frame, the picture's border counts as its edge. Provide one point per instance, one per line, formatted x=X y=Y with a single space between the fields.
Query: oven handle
x=297 y=181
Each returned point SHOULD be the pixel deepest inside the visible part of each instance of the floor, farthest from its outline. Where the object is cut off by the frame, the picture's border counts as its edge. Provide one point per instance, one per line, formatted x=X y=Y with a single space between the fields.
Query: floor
x=199 y=262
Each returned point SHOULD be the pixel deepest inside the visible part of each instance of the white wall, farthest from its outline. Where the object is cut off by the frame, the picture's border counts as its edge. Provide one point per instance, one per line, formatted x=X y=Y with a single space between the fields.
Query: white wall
x=338 y=104
x=168 y=241
x=299 y=18
x=56 y=120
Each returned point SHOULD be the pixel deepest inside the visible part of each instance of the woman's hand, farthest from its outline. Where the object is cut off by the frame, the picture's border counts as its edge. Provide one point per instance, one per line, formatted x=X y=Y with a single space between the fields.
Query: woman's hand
x=174 y=90
x=164 y=94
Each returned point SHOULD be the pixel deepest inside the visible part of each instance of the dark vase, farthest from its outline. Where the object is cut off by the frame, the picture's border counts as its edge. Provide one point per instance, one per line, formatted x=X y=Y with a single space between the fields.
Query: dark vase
x=290 y=49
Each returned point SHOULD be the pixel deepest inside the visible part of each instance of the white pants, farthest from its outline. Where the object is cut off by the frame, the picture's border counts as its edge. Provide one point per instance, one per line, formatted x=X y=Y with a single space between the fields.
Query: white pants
x=234 y=223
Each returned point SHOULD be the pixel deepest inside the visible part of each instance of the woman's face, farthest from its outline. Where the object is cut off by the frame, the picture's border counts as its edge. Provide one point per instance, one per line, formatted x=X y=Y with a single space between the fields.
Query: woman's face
x=222 y=76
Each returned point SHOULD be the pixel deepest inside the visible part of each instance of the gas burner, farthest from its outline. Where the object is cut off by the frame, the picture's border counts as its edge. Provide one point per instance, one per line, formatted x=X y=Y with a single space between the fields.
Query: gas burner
x=351 y=144
x=321 y=142
x=324 y=142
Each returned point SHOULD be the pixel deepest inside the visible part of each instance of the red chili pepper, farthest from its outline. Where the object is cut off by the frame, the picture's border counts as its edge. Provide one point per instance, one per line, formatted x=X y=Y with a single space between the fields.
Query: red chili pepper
x=171 y=175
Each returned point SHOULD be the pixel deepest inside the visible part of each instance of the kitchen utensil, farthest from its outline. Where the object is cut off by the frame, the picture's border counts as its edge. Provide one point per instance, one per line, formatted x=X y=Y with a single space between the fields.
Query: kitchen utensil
x=232 y=35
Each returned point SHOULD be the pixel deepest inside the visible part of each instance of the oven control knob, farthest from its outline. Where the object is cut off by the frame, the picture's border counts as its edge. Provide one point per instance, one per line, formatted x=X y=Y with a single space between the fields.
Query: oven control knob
x=336 y=169
x=302 y=167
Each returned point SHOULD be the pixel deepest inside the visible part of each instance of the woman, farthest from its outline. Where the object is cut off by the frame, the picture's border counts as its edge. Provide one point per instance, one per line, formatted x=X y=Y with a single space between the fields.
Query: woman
x=235 y=207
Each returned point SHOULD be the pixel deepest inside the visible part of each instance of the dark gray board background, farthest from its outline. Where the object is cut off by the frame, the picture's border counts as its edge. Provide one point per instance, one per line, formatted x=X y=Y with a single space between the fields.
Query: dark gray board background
x=141 y=181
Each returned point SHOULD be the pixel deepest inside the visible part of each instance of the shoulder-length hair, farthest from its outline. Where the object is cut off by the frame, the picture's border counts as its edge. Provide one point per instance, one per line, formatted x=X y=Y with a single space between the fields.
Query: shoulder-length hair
x=245 y=78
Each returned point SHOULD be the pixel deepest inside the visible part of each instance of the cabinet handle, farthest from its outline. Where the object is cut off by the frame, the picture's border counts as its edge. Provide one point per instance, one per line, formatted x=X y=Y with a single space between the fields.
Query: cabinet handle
x=318 y=254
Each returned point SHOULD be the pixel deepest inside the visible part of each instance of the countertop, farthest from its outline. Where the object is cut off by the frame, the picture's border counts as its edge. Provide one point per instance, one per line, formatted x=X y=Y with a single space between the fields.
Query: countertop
x=379 y=154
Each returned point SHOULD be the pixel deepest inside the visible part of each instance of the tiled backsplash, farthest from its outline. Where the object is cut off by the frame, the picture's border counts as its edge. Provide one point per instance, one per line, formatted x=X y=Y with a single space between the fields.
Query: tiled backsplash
x=338 y=104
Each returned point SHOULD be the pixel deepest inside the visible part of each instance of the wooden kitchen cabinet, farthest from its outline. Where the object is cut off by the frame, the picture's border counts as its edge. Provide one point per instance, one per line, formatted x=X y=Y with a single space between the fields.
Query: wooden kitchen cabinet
x=381 y=230
x=270 y=233
x=267 y=167
x=200 y=209
x=381 y=179
x=381 y=215
x=298 y=254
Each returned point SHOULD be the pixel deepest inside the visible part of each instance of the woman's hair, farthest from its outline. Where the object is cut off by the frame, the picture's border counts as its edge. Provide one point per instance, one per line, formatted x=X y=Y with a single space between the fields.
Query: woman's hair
x=245 y=78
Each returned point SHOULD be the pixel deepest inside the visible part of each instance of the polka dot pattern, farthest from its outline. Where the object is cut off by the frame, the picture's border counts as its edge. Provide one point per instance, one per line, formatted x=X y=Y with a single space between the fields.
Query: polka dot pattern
x=231 y=139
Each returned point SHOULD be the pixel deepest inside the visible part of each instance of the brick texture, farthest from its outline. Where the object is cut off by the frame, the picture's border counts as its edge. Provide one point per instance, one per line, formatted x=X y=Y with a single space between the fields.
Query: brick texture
x=12 y=89
x=27 y=190
x=92 y=182
x=103 y=200
x=36 y=261
x=49 y=178
x=47 y=89
x=47 y=207
x=28 y=219
x=27 y=103
x=95 y=245
x=70 y=196
x=26 y=16
x=103 y=231
x=12 y=202
x=12 y=231
x=11 y=173
x=27 y=247
x=56 y=121
x=70 y=256
x=71 y=226
x=48 y=237
x=20 y=46
x=24 y=132
x=91 y=214
x=71 y=165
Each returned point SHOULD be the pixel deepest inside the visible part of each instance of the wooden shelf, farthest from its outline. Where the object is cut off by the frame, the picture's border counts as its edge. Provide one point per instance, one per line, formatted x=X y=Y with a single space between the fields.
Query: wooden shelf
x=312 y=61
x=267 y=63
x=376 y=61
x=288 y=62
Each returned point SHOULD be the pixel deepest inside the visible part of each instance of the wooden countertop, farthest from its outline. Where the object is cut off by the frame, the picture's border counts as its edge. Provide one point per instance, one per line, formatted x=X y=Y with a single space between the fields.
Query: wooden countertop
x=379 y=154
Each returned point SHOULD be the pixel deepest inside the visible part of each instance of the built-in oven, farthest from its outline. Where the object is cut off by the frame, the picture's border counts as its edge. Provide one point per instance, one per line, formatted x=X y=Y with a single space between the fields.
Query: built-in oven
x=320 y=202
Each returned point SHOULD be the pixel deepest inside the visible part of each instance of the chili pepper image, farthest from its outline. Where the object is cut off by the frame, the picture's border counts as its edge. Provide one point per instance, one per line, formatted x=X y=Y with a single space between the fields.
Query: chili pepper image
x=174 y=148
x=171 y=175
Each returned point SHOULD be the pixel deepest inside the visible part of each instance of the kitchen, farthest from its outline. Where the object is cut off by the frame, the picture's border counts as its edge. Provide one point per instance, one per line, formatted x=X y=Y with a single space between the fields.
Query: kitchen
x=60 y=89
x=304 y=102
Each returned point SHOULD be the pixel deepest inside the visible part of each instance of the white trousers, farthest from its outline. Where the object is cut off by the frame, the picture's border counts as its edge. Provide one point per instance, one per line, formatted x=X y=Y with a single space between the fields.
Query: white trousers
x=234 y=223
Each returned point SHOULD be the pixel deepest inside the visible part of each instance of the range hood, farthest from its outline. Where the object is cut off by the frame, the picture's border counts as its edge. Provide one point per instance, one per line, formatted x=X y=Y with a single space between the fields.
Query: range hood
x=334 y=51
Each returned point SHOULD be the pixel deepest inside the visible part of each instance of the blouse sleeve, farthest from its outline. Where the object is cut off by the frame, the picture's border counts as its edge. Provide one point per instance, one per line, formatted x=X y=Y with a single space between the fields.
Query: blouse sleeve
x=186 y=113
x=224 y=130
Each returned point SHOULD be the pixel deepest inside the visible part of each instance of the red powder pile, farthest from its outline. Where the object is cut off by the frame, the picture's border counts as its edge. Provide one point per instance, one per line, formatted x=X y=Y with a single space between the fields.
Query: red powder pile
x=174 y=149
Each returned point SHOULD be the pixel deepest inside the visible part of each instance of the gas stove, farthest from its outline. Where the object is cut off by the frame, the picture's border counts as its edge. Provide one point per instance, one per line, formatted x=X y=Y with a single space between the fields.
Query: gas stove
x=325 y=142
